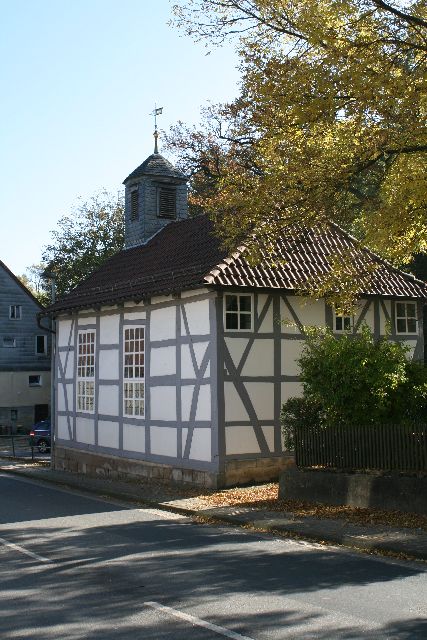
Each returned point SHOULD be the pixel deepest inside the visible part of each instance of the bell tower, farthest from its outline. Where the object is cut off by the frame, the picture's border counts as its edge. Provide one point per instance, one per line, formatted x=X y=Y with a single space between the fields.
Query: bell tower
x=155 y=195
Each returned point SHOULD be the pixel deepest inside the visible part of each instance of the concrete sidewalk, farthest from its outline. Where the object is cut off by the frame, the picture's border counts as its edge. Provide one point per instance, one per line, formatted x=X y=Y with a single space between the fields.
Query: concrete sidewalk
x=409 y=543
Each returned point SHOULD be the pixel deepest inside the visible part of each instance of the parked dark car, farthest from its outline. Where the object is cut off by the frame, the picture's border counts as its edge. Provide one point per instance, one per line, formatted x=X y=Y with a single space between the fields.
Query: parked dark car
x=40 y=436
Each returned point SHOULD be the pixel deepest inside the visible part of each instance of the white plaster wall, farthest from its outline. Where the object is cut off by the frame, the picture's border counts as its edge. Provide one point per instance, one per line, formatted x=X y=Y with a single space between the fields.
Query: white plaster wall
x=163 y=323
x=186 y=399
x=236 y=347
x=269 y=436
x=65 y=390
x=109 y=329
x=194 y=292
x=63 y=328
x=160 y=299
x=135 y=314
x=240 y=440
x=262 y=398
x=62 y=428
x=203 y=411
x=369 y=317
x=108 y=400
x=267 y=323
x=291 y=351
x=187 y=368
x=309 y=311
x=133 y=438
x=162 y=361
x=383 y=318
x=198 y=318
x=184 y=433
x=201 y=445
x=412 y=345
x=83 y=320
x=108 y=365
x=290 y=390
x=234 y=408
x=67 y=362
x=260 y=360
x=163 y=403
x=85 y=430
x=108 y=434
x=163 y=441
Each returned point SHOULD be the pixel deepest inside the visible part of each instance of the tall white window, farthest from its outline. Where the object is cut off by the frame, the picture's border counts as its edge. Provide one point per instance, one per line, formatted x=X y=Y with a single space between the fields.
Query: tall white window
x=86 y=371
x=41 y=345
x=238 y=312
x=406 y=317
x=15 y=311
x=133 y=372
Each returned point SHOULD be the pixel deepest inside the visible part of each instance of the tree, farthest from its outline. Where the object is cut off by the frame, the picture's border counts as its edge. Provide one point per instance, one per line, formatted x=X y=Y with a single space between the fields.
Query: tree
x=35 y=283
x=333 y=110
x=93 y=232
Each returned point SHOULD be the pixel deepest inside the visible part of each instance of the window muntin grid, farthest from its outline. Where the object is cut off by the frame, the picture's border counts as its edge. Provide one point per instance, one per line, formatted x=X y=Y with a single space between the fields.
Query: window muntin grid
x=133 y=372
x=238 y=312
x=406 y=317
x=343 y=323
x=86 y=371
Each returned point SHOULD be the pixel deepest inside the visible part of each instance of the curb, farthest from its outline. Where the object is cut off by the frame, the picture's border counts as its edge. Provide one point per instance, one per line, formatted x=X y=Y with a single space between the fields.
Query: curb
x=385 y=549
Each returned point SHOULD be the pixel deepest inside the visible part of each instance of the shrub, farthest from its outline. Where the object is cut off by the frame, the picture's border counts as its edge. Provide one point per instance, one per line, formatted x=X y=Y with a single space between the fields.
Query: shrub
x=298 y=412
x=360 y=380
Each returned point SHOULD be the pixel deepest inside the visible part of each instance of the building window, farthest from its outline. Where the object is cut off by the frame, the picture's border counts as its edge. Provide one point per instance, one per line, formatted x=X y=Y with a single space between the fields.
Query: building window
x=134 y=204
x=41 y=345
x=86 y=371
x=14 y=414
x=166 y=202
x=15 y=312
x=35 y=381
x=9 y=342
x=238 y=312
x=342 y=323
x=133 y=372
x=406 y=317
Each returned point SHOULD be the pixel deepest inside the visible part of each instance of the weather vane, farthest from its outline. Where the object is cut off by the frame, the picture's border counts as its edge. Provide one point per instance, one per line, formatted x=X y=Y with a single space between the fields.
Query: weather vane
x=157 y=111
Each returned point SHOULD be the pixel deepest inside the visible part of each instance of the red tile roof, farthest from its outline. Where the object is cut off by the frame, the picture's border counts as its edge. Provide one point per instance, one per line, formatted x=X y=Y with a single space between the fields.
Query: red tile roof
x=187 y=254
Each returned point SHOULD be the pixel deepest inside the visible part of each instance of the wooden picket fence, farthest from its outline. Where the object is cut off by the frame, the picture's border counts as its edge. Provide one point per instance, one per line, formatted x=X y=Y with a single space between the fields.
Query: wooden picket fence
x=385 y=447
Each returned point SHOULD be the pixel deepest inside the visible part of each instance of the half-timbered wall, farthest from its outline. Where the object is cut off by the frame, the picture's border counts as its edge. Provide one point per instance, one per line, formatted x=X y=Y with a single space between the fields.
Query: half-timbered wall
x=212 y=396
x=179 y=426
x=260 y=369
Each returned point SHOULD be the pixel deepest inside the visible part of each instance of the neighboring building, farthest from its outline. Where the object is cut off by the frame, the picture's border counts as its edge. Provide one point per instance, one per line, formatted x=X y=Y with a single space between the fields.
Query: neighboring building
x=173 y=359
x=24 y=356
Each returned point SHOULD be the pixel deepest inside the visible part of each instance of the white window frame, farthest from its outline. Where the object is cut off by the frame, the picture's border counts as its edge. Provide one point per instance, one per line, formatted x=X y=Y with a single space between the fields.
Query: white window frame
x=133 y=372
x=13 y=315
x=85 y=382
x=39 y=382
x=9 y=346
x=239 y=312
x=406 y=317
x=343 y=316
x=41 y=353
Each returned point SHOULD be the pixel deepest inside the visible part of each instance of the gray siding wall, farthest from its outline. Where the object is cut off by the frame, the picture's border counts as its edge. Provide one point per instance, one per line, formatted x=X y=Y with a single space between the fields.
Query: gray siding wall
x=23 y=357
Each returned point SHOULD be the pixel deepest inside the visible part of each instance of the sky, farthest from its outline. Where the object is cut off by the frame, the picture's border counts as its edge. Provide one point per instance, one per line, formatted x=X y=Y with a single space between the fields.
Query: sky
x=78 y=80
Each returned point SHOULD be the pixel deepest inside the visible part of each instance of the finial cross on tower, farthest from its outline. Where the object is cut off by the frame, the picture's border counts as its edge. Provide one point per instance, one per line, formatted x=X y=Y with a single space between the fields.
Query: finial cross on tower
x=157 y=111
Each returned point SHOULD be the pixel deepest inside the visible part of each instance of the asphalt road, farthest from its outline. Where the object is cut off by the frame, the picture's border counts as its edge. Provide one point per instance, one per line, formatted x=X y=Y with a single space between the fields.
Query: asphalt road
x=77 y=567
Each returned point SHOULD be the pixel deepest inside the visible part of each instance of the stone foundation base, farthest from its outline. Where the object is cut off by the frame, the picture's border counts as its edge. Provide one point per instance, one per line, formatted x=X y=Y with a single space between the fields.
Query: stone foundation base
x=109 y=466
x=256 y=470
